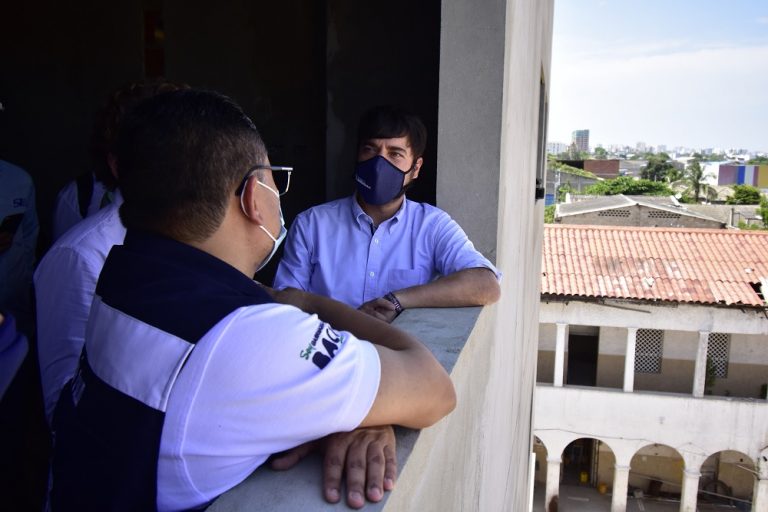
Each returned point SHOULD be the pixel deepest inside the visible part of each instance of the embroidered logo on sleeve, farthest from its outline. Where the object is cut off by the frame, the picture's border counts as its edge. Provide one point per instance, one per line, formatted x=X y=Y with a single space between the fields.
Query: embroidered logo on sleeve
x=323 y=346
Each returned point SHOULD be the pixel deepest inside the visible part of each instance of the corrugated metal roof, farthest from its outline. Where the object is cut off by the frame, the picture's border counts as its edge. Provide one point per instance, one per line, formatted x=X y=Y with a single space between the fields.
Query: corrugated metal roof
x=706 y=266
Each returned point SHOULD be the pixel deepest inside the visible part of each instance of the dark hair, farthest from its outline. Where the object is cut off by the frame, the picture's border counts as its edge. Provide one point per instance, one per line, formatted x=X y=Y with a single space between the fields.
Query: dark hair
x=181 y=156
x=387 y=122
x=111 y=114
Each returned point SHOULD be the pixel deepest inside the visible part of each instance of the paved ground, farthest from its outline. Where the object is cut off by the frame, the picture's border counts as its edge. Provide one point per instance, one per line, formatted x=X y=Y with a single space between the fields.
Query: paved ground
x=575 y=498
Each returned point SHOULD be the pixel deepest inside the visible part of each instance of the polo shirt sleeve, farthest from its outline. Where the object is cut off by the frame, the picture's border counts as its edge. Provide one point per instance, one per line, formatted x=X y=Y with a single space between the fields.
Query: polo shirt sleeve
x=265 y=379
x=295 y=268
x=453 y=250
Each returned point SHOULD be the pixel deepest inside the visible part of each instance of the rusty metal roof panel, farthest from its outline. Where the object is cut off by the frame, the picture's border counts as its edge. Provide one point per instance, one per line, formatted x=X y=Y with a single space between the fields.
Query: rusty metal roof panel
x=707 y=266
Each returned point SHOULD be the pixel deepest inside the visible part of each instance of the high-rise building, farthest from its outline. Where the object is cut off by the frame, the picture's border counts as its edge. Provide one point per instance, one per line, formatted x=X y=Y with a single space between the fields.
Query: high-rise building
x=581 y=139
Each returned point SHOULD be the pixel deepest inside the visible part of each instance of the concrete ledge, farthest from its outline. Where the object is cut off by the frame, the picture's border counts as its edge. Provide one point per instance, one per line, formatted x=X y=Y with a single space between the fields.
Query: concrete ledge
x=445 y=332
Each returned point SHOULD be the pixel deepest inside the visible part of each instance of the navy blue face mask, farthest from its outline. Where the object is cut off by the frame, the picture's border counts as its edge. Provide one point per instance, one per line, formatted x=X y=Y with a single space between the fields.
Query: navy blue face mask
x=378 y=181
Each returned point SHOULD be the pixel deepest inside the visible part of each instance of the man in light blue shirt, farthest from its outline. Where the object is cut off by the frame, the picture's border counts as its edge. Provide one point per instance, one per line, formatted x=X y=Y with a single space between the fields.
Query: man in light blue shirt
x=377 y=250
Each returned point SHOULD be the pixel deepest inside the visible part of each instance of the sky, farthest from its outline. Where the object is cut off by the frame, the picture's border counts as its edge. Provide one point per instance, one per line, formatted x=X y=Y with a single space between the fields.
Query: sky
x=690 y=73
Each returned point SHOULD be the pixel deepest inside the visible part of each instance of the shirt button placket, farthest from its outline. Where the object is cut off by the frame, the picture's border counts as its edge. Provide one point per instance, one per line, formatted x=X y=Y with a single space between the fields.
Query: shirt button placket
x=372 y=269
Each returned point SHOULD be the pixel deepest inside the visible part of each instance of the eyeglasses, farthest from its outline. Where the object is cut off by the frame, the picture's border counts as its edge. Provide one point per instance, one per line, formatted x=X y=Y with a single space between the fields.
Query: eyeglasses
x=280 y=175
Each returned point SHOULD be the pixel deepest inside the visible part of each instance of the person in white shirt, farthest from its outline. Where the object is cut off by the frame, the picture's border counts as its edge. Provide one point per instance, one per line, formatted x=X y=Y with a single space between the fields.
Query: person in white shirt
x=65 y=282
x=66 y=277
x=192 y=373
x=93 y=190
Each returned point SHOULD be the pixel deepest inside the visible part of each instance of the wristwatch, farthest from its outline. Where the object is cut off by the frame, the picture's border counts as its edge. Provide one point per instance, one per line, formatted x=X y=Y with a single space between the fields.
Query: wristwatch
x=398 y=307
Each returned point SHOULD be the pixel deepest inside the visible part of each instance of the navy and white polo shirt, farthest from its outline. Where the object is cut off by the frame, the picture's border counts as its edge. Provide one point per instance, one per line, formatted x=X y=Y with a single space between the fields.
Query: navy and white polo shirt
x=190 y=378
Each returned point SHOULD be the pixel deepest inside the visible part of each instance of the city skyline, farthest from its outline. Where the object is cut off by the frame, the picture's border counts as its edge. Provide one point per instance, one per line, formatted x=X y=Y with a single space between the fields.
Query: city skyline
x=679 y=74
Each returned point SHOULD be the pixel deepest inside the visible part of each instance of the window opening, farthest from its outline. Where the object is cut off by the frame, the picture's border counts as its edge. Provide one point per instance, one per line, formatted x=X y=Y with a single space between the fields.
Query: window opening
x=649 y=348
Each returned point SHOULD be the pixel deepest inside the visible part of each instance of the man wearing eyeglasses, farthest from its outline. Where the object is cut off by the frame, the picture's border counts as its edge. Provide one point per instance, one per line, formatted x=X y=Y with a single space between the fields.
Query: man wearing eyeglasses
x=192 y=373
x=378 y=251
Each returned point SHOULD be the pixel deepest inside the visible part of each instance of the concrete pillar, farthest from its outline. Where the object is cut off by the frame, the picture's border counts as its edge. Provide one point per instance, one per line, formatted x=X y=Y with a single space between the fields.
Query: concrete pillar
x=629 y=360
x=553 y=481
x=531 y=479
x=760 y=495
x=560 y=354
x=620 y=486
x=700 y=372
x=760 y=491
x=690 y=491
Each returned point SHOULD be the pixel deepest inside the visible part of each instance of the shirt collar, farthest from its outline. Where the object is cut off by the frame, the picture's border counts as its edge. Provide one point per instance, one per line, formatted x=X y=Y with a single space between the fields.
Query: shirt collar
x=190 y=258
x=364 y=221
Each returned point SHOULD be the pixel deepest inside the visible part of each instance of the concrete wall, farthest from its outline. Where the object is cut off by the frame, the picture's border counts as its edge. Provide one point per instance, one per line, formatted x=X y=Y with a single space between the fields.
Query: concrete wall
x=557 y=179
x=380 y=55
x=606 y=463
x=618 y=313
x=303 y=70
x=603 y=168
x=695 y=427
x=659 y=465
x=748 y=361
x=638 y=215
x=663 y=463
x=540 y=467
x=471 y=113
x=660 y=462
x=487 y=159
x=274 y=70
x=59 y=61
x=545 y=366
x=734 y=471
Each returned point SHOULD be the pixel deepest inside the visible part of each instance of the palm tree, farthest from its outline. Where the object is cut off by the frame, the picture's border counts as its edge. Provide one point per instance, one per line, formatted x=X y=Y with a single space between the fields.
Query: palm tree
x=694 y=175
x=692 y=185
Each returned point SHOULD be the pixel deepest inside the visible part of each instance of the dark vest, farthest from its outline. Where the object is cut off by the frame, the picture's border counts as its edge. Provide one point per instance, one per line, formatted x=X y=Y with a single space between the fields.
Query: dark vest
x=106 y=443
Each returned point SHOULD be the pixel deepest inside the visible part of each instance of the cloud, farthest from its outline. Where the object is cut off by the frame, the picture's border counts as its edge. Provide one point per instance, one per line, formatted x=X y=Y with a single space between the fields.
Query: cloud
x=763 y=20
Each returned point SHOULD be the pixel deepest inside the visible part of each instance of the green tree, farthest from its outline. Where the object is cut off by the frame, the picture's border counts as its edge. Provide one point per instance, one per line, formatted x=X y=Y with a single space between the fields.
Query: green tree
x=675 y=174
x=549 y=214
x=744 y=194
x=600 y=153
x=629 y=186
x=657 y=168
x=758 y=160
x=562 y=190
x=694 y=176
x=763 y=211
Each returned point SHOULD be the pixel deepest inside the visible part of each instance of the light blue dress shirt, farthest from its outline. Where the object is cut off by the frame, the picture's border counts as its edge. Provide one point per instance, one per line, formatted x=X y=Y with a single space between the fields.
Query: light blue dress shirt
x=333 y=250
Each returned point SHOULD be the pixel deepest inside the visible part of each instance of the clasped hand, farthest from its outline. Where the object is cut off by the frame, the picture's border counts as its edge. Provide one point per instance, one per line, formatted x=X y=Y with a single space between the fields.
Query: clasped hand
x=380 y=308
x=367 y=455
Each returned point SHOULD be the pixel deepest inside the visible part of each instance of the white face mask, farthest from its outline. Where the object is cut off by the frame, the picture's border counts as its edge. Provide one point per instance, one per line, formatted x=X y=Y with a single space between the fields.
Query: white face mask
x=275 y=241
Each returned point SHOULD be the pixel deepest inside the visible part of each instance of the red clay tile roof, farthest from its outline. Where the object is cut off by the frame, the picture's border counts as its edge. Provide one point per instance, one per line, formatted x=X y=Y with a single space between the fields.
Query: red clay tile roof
x=706 y=266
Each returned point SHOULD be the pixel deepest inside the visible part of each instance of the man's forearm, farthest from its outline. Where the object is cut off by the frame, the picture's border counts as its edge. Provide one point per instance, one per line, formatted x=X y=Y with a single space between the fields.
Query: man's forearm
x=345 y=318
x=469 y=287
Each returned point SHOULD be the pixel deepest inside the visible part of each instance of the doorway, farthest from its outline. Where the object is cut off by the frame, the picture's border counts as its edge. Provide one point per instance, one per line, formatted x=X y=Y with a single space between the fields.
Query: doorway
x=582 y=359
